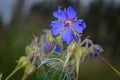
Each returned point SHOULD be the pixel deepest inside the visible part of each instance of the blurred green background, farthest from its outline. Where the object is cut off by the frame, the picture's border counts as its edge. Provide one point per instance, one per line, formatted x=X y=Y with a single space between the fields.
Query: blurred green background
x=21 y=19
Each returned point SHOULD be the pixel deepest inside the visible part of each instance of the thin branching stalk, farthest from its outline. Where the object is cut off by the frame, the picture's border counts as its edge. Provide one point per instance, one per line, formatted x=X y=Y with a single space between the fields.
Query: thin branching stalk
x=12 y=73
x=24 y=77
x=112 y=67
x=47 y=60
x=77 y=68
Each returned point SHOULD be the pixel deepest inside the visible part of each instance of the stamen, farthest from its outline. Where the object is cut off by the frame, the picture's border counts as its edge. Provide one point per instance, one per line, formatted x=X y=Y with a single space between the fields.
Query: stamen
x=68 y=23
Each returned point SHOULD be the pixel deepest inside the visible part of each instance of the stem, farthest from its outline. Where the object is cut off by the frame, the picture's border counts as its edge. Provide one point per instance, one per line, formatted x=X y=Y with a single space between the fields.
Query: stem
x=65 y=64
x=56 y=71
x=34 y=59
x=77 y=68
x=0 y=76
x=24 y=77
x=84 y=41
x=12 y=73
x=51 y=52
x=112 y=67
x=48 y=60
x=67 y=59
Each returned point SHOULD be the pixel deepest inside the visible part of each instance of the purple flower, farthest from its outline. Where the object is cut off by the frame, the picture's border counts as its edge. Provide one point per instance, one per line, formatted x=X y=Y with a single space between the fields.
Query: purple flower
x=48 y=46
x=67 y=24
x=88 y=55
x=75 y=37
x=58 y=48
x=97 y=50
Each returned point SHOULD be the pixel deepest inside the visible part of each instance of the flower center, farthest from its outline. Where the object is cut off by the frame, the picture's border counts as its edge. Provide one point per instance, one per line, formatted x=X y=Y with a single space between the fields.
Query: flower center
x=68 y=23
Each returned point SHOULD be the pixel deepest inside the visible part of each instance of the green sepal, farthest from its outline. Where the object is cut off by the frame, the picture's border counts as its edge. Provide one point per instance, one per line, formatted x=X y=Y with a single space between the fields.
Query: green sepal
x=29 y=69
x=23 y=61
x=58 y=40
x=29 y=51
x=72 y=47
x=50 y=37
x=85 y=51
x=79 y=53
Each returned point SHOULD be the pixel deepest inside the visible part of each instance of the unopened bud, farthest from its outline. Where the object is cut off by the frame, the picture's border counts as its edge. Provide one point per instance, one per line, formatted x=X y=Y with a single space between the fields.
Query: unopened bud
x=23 y=61
x=72 y=63
x=58 y=48
x=79 y=52
x=50 y=37
x=72 y=47
x=48 y=46
x=75 y=36
x=98 y=47
x=95 y=50
x=91 y=49
x=29 y=50
x=29 y=69
x=85 y=51
x=58 y=40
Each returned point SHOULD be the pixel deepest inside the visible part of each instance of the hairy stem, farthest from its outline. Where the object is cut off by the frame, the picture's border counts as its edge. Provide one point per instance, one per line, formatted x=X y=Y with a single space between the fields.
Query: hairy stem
x=112 y=67
x=24 y=77
x=77 y=67
x=12 y=73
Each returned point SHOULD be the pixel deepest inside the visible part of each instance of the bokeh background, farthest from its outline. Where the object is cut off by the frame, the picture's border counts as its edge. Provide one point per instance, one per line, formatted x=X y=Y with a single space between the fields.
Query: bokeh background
x=21 y=19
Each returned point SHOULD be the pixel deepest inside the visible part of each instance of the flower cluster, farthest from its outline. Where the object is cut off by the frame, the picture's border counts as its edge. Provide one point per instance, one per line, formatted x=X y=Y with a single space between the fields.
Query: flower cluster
x=64 y=38
x=67 y=29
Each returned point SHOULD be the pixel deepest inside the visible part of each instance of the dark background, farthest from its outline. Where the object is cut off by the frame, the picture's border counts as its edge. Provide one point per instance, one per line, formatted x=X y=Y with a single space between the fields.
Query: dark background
x=21 y=19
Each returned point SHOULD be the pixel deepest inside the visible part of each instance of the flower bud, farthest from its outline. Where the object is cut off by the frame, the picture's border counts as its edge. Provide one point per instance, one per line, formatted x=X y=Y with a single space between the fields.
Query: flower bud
x=95 y=50
x=98 y=47
x=29 y=50
x=48 y=46
x=72 y=63
x=49 y=43
x=75 y=37
x=79 y=53
x=29 y=69
x=85 y=51
x=91 y=49
x=50 y=37
x=58 y=48
x=23 y=61
x=58 y=40
x=72 y=47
